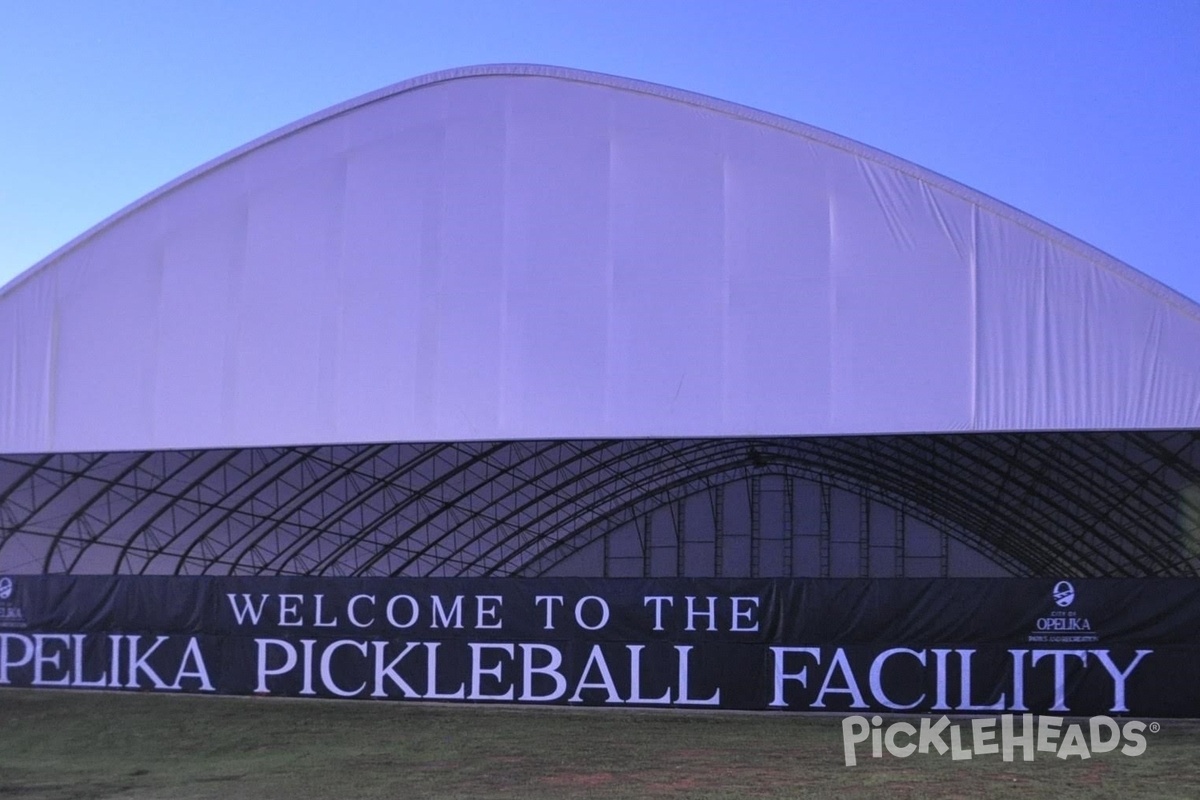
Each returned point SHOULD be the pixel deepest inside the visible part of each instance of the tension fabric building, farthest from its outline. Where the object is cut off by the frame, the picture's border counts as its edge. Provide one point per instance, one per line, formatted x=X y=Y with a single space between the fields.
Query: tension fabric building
x=519 y=320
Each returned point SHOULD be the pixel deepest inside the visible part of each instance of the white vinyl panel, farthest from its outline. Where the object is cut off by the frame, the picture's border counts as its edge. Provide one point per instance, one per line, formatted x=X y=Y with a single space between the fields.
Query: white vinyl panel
x=556 y=256
x=1013 y=350
x=666 y=330
x=27 y=369
x=777 y=344
x=386 y=276
x=903 y=302
x=105 y=339
x=1086 y=344
x=468 y=296
x=1128 y=357
x=1168 y=352
x=1066 y=343
x=532 y=252
x=283 y=315
x=201 y=265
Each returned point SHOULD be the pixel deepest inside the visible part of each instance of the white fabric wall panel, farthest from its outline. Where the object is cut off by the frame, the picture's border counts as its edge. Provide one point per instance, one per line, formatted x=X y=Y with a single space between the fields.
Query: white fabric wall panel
x=1067 y=342
x=27 y=345
x=776 y=348
x=556 y=257
x=201 y=266
x=525 y=252
x=667 y=300
x=902 y=299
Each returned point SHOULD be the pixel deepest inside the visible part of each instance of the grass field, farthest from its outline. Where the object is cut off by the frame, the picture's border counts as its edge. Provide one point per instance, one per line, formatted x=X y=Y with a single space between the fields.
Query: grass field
x=101 y=745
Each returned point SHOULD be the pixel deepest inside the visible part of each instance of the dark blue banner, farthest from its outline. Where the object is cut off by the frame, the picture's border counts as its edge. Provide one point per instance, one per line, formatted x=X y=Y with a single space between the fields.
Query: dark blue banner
x=1081 y=647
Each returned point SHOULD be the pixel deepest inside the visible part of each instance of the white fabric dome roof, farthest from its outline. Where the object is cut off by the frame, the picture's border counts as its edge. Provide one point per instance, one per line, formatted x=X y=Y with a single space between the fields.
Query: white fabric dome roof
x=519 y=252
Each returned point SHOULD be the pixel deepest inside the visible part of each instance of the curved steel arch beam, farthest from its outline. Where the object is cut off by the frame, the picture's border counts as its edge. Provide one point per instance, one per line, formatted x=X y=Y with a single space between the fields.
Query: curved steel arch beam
x=690 y=485
x=941 y=509
x=820 y=472
x=251 y=475
x=507 y=519
x=334 y=473
x=70 y=477
x=665 y=450
x=170 y=508
x=1000 y=509
x=1080 y=496
x=31 y=469
x=347 y=506
x=412 y=499
x=105 y=490
x=585 y=535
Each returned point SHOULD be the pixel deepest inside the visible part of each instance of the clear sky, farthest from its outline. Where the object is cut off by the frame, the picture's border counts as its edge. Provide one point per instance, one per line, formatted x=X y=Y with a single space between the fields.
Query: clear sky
x=1084 y=114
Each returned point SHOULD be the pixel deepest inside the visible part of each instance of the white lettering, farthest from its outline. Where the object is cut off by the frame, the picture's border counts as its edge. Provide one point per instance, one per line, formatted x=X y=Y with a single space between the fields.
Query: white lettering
x=42 y=658
x=318 y=622
x=603 y=613
x=327 y=674
x=800 y=677
x=388 y=671
x=412 y=607
x=354 y=620
x=746 y=614
x=596 y=659
x=683 y=698
x=855 y=729
x=550 y=670
x=289 y=609
x=658 y=601
x=1119 y=677
x=876 y=677
x=138 y=663
x=478 y=671
x=199 y=669
x=840 y=664
x=635 y=678
x=432 y=671
x=550 y=599
x=263 y=672
x=692 y=613
x=246 y=610
x=488 y=606
x=79 y=680
x=443 y=615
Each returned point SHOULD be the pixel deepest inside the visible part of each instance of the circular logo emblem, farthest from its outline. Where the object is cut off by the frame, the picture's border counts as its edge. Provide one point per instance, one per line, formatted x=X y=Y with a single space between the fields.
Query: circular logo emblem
x=1064 y=594
x=5 y=588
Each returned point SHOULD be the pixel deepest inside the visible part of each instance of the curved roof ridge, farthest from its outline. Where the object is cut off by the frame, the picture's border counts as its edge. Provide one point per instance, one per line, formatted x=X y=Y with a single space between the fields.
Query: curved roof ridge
x=1037 y=226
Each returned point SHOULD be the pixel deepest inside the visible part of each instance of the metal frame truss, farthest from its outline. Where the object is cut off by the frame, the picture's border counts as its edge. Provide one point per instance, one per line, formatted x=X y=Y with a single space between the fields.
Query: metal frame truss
x=1122 y=503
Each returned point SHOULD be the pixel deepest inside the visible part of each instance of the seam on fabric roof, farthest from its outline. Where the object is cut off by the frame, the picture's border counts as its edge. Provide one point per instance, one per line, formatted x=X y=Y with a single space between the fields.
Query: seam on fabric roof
x=1014 y=215
x=976 y=357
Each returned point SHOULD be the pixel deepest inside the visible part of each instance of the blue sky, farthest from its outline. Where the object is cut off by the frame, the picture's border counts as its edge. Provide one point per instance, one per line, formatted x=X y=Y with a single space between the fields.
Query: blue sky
x=1084 y=114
